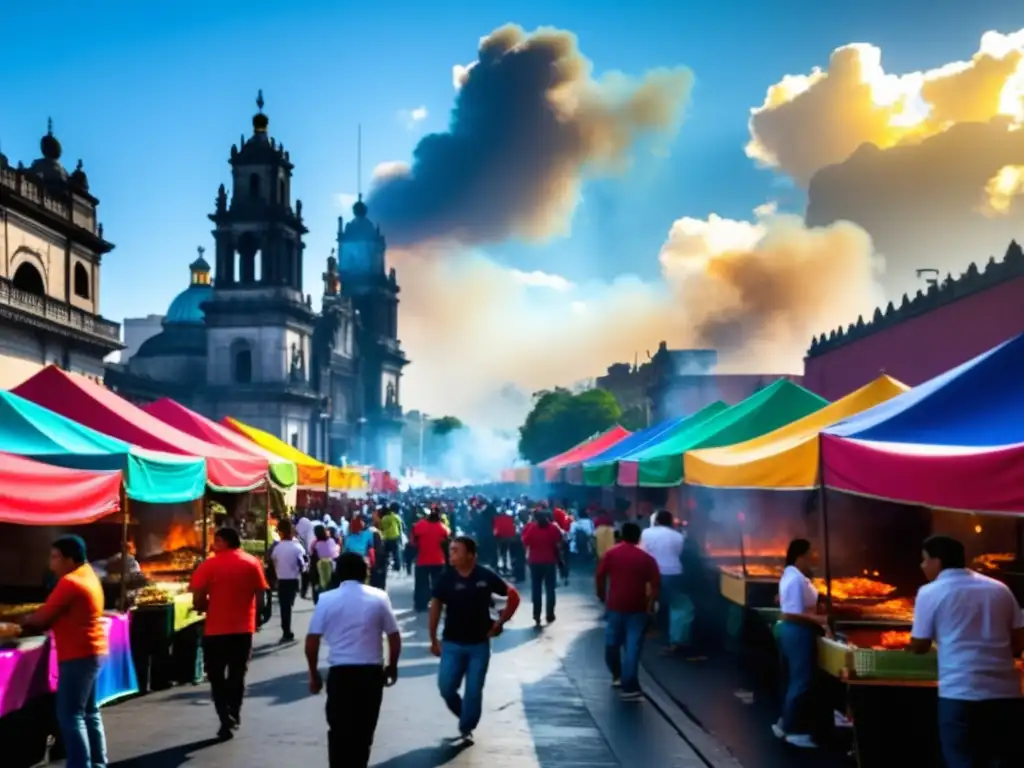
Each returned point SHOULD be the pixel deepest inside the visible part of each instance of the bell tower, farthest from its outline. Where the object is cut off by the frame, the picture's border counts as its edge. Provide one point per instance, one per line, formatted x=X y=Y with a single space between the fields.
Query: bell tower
x=259 y=324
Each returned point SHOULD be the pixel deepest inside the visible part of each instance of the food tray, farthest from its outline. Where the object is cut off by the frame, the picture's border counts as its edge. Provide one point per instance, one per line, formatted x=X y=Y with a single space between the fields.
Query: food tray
x=869 y=663
x=733 y=588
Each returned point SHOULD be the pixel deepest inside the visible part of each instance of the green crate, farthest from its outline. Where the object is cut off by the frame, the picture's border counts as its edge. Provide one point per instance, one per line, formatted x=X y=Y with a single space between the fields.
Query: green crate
x=254 y=547
x=833 y=657
x=872 y=664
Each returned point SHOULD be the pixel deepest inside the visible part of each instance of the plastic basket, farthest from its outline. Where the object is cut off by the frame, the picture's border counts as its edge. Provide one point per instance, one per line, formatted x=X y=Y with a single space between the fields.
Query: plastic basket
x=834 y=657
x=873 y=664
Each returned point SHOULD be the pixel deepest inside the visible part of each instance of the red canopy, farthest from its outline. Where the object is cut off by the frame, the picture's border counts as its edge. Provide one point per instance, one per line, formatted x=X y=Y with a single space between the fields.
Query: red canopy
x=97 y=407
x=39 y=494
x=195 y=424
x=584 y=451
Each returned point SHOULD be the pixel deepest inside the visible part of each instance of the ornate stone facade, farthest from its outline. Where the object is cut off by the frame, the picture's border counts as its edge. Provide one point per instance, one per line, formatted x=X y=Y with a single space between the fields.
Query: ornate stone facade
x=51 y=247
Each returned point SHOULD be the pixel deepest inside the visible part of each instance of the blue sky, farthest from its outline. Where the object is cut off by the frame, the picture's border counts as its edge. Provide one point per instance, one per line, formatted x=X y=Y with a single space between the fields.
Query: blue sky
x=151 y=95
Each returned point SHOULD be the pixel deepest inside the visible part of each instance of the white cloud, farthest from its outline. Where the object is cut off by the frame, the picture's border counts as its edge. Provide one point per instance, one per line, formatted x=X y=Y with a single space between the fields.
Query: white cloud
x=412 y=117
x=538 y=279
x=345 y=200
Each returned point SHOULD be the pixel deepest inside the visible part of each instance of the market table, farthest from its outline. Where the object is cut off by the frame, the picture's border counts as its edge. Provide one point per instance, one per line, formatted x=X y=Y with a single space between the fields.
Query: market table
x=28 y=680
x=165 y=643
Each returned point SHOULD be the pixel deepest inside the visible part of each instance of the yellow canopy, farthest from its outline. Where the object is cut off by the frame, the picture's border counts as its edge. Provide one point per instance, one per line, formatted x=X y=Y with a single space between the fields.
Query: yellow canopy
x=312 y=473
x=786 y=459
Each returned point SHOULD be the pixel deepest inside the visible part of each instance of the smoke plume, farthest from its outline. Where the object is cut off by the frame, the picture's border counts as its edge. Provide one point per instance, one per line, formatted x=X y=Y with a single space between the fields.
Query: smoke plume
x=927 y=162
x=529 y=121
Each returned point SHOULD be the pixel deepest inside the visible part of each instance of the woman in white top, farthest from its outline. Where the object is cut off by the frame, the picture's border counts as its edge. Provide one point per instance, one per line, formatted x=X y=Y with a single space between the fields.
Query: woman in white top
x=324 y=552
x=799 y=627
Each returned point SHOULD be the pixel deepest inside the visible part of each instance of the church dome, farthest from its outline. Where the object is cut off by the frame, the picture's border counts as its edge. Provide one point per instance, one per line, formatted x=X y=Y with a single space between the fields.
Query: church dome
x=187 y=307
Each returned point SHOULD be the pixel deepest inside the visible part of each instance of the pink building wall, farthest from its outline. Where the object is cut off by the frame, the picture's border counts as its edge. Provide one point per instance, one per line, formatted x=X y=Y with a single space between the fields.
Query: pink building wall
x=943 y=328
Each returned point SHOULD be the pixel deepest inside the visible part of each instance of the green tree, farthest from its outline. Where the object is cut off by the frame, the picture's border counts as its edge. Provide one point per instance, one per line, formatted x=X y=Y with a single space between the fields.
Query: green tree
x=560 y=419
x=634 y=418
x=446 y=425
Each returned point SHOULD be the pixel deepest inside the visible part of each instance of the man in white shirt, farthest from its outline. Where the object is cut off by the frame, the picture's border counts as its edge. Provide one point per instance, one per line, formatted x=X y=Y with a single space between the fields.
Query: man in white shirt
x=351 y=619
x=290 y=561
x=305 y=536
x=665 y=544
x=977 y=625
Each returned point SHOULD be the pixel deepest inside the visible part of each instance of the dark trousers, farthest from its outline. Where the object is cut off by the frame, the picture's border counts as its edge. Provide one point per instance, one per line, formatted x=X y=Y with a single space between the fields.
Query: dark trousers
x=409 y=556
x=226 y=658
x=518 y=554
x=354 y=695
x=392 y=555
x=379 y=574
x=505 y=554
x=426 y=579
x=304 y=583
x=981 y=734
x=287 y=589
x=798 y=644
x=542 y=588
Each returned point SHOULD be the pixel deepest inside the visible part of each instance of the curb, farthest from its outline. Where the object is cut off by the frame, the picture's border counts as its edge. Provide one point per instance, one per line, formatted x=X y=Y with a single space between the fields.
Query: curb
x=706 y=747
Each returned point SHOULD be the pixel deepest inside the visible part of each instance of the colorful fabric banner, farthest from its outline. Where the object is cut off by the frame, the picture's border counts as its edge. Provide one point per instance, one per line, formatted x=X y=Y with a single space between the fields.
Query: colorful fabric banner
x=39 y=494
x=30 y=430
x=282 y=471
x=312 y=473
x=787 y=458
x=97 y=407
x=661 y=465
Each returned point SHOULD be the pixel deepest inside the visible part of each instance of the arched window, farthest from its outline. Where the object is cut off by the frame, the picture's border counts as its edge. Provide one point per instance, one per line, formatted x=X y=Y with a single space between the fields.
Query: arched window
x=28 y=279
x=254 y=185
x=81 y=281
x=241 y=362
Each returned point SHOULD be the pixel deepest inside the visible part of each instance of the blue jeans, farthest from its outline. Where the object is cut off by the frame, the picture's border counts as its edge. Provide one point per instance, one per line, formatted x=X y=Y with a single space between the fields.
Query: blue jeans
x=678 y=609
x=78 y=715
x=542 y=587
x=469 y=662
x=623 y=642
x=981 y=734
x=798 y=649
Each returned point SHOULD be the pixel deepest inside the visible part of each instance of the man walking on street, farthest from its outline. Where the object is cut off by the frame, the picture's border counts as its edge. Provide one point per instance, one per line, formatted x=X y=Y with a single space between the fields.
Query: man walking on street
x=627 y=582
x=351 y=620
x=226 y=587
x=465 y=592
x=675 y=611
x=290 y=561
x=429 y=536
x=543 y=542
x=391 y=531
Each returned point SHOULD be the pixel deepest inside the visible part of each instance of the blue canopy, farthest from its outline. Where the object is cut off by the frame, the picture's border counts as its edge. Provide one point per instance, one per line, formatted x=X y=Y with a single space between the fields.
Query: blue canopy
x=635 y=441
x=979 y=403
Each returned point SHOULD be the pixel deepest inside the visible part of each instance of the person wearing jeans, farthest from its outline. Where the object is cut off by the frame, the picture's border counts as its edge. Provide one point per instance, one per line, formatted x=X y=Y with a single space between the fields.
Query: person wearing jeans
x=226 y=587
x=429 y=536
x=464 y=593
x=74 y=611
x=543 y=542
x=627 y=582
x=675 y=610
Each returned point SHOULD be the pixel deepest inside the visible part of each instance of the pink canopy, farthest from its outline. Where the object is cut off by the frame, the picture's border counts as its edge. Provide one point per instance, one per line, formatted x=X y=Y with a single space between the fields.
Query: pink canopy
x=583 y=451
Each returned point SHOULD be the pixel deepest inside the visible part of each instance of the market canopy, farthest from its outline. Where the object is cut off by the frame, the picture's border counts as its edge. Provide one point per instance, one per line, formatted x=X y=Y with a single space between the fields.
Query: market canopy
x=312 y=473
x=786 y=458
x=954 y=442
x=33 y=493
x=583 y=451
x=282 y=471
x=661 y=464
x=30 y=430
x=603 y=469
x=97 y=407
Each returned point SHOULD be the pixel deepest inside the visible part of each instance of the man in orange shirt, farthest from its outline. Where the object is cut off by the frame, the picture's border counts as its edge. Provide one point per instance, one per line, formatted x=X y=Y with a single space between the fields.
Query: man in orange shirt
x=226 y=587
x=74 y=611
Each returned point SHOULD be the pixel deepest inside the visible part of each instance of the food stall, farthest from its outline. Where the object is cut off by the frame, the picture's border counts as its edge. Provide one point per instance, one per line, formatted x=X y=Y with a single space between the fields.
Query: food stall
x=39 y=502
x=945 y=457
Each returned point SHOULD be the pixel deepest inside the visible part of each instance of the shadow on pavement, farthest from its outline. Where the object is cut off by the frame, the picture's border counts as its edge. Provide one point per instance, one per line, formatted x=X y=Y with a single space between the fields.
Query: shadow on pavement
x=284 y=689
x=426 y=757
x=171 y=757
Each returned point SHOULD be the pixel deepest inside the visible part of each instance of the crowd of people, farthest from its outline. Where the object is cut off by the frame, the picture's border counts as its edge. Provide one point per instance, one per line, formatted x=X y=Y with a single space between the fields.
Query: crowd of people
x=467 y=554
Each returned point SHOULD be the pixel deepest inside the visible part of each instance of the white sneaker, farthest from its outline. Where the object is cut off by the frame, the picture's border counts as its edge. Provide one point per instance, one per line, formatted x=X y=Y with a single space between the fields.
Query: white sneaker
x=801 y=740
x=777 y=730
x=616 y=683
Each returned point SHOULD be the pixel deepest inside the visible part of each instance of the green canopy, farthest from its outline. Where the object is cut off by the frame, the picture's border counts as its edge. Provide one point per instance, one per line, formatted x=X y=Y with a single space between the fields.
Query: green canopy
x=605 y=473
x=32 y=431
x=661 y=465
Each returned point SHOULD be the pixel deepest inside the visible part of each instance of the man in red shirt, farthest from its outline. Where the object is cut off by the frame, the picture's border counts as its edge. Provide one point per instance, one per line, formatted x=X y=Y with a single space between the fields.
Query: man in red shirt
x=505 y=533
x=226 y=587
x=74 y=611
x=627 y=582
x=429 y=536
x=543 y=542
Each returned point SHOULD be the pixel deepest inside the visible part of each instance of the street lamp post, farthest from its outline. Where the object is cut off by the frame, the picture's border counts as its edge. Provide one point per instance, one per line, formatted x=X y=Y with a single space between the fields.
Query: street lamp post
x=423 y=426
